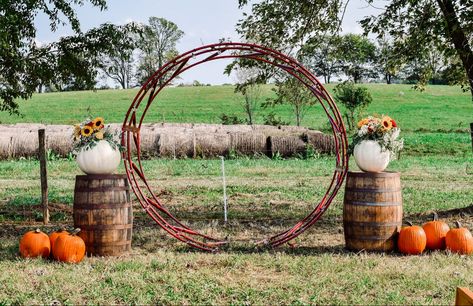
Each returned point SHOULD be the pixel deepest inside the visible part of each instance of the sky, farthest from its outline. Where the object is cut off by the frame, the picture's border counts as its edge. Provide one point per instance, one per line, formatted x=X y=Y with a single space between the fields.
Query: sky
x=203 y=22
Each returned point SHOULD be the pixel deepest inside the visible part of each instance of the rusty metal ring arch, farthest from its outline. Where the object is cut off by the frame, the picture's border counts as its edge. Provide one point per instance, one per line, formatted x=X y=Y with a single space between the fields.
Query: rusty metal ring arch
x=136 y=113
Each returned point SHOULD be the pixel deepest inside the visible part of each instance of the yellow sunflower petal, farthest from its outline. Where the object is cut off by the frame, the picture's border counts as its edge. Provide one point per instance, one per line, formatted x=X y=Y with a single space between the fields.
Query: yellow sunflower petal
x=87 y=131
x=98 y=123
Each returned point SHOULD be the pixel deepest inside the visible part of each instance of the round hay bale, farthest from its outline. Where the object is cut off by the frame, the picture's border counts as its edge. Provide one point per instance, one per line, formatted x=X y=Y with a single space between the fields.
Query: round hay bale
x=286 y=146
x=24 y=144
x=59 y=143
x=211 y=145
x=292 y=129
x=201 y=128
x=176 y=145
x=249 y=143
x=322 y=143
x=5 y=146
x=237 y=128
x=149 y=143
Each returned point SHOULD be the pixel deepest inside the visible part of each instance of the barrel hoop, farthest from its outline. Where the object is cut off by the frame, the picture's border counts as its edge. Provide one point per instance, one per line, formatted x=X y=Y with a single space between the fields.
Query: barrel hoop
x=102 y=206
x=361 y=203
x=370 y=238
x=372 y=190
x=102 y=189
x=371 y=174
x=373 y=224
x=97 y=245
x=89 y=177
x=86 y=227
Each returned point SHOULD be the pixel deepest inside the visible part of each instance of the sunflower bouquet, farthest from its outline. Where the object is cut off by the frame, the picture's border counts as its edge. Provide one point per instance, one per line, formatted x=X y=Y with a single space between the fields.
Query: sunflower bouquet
x=383 y=130
x=89 y=132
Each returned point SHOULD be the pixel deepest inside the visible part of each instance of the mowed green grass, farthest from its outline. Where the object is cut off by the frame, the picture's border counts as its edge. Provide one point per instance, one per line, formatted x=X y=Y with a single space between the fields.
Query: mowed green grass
x=439 y=108
x=265 y=197
x=435 y=121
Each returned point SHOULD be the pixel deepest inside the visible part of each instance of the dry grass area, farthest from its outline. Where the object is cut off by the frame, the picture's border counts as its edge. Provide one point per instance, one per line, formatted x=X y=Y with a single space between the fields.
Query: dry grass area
x=265 y=197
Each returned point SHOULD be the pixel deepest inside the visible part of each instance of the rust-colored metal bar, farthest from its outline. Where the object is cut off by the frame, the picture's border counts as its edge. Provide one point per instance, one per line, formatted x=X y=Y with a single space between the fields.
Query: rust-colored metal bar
x=163 y=76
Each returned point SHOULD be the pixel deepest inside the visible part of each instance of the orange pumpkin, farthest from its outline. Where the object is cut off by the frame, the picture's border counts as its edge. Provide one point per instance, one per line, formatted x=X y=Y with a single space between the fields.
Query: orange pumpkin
x=69 y=248
x=459 y=240
x=54 y=235
x=35 y=244
x=412 y=240
x=435 y=231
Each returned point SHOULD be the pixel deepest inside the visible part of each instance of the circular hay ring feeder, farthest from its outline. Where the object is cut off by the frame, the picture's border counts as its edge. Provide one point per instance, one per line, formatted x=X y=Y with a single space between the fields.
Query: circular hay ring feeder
x=148 y=92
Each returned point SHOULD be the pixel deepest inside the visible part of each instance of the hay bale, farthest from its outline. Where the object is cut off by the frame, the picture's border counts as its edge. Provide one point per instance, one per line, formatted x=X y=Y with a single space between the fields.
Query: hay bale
x=286 y=146
x=211 y=145
x=176 y=145
x=24 y=144
x=59 y=143
x=201 y=128
x=249 y=143
x=237 y=128
x=322 y=143
x=5 y=143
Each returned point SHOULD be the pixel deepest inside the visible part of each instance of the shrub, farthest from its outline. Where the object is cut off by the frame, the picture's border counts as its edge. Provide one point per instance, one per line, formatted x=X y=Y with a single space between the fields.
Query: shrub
x=354 y=98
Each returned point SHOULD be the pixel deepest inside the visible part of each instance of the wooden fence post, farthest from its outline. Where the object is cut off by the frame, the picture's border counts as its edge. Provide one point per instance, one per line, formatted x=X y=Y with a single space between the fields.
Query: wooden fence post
x=44 y=174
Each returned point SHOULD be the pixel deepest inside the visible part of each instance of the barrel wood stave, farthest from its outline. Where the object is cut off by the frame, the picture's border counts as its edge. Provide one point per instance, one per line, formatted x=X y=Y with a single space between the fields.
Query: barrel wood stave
x=372 y=211
x=103 y=211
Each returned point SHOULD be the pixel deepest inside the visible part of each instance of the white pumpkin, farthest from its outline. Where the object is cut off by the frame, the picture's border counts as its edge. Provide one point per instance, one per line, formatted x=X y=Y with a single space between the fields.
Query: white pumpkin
x=369 y=157
x=101 y=159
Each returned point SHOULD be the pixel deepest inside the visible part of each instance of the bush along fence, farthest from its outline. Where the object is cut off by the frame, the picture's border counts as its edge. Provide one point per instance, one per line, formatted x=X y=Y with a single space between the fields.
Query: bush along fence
x=179 y=140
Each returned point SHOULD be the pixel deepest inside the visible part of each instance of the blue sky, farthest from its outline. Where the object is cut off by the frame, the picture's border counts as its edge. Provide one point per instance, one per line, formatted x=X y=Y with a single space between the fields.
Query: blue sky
x=203 y=22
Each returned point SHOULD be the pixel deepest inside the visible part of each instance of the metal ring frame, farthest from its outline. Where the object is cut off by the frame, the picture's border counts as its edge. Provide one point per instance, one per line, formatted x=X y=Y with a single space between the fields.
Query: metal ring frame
x=132 y=126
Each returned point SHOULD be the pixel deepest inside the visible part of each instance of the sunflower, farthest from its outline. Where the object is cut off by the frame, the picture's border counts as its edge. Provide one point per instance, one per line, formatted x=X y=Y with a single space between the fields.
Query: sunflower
x=99 y=135
x=87 y=131
x=97 y=123
x=386 y=123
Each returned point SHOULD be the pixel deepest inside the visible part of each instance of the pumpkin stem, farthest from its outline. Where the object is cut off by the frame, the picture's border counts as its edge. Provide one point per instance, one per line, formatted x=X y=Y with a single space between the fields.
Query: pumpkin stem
x=75 y=232
x=409 y=223
x=435 y=217
x=37 y=230
x=458 y=224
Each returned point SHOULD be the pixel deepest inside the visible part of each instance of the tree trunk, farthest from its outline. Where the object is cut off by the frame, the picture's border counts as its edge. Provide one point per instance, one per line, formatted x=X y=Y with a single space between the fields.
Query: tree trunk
x=388 y=78
x=458 y=38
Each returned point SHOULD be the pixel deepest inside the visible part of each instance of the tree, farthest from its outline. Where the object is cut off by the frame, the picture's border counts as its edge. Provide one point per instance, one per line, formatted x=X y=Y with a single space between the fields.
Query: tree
x=292 y=92
x=25 y=65
x=248 y=86
x=157 y=45
x=120 y=65
x=388 y=64
x=323 y=56
x=419 y=25
x=357 y=55
x=288 y=24
x=355 y=99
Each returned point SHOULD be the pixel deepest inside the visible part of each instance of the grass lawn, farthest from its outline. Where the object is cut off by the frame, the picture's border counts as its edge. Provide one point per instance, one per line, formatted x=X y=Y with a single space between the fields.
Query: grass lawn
x=435 y=121
x=265 y=197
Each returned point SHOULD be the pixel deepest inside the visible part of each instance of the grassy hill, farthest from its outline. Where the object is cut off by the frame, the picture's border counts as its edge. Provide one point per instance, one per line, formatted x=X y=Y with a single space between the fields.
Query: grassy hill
x=434 y=121
x=265 y=196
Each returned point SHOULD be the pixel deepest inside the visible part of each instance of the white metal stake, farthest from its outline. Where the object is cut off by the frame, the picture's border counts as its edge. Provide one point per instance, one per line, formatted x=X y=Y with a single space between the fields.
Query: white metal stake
x=224 y=190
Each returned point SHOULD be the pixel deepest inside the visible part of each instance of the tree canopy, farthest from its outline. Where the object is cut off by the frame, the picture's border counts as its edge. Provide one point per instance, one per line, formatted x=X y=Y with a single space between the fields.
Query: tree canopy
x=26 y=64
x=414 y=27
x=418 y=26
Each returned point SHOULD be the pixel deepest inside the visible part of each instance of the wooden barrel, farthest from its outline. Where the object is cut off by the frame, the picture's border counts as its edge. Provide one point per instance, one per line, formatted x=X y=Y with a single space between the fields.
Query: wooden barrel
x=372 y=210
x=103 y=212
